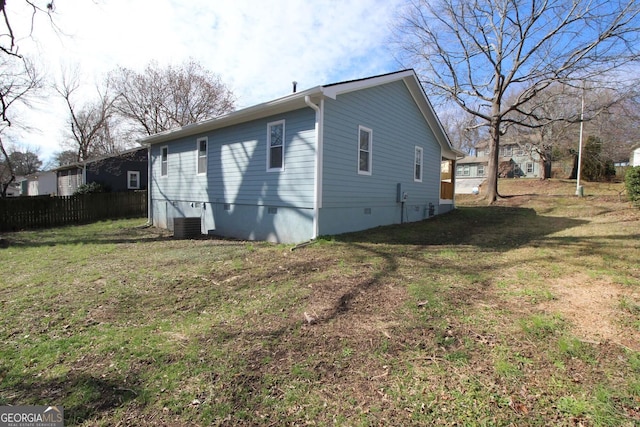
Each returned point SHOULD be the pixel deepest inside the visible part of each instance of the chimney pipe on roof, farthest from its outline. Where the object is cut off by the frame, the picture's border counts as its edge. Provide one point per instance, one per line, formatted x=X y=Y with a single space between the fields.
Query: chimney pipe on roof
x=295 y=85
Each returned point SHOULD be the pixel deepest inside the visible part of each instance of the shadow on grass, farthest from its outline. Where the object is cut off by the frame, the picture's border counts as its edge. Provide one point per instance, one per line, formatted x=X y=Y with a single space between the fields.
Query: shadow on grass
x=490 y=227
x=91 y=395
x=469 y=231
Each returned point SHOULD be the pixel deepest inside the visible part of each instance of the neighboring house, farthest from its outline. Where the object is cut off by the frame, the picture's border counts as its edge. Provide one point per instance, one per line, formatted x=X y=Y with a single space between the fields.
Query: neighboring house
x=40 y=184
x=332 y=159
x=15 y=188
x=515 y=160
x=123 y=172
x=635 y=157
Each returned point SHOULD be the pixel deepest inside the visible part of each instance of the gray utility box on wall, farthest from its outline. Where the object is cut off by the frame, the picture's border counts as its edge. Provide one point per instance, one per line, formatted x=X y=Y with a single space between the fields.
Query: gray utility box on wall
x=186 y=228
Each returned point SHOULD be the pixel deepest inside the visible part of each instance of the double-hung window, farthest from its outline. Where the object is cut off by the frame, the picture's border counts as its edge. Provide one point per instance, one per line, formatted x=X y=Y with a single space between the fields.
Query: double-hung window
x=164 y=161
x=364 y=150
x=202 y=155
x=133 y=180
x=417 y=165
x=463 y=170
x=275 y=146
x=529 y=167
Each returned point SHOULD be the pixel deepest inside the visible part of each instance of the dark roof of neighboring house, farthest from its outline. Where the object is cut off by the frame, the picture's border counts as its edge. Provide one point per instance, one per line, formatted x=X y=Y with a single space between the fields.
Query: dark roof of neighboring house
x=79 y=165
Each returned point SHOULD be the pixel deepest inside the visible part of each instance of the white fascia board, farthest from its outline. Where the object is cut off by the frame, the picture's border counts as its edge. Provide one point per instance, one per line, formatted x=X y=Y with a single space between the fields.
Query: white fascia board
x=278 y=106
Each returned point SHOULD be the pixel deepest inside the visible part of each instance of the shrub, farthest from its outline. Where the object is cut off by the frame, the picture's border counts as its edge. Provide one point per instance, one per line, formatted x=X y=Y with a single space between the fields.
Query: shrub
x=632 y=182
x=93 y=187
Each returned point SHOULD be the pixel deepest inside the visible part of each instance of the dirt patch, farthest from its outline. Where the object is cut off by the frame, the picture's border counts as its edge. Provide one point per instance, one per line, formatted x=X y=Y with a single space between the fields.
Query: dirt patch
x=595 y=309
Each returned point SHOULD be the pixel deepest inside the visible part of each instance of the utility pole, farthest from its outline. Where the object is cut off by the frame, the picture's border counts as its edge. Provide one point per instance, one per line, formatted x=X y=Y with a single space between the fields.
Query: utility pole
x=579 y=189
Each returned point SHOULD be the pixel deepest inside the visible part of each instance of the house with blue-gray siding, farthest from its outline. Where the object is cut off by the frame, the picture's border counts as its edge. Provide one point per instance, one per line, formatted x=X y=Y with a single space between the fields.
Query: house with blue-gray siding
x=328 y=160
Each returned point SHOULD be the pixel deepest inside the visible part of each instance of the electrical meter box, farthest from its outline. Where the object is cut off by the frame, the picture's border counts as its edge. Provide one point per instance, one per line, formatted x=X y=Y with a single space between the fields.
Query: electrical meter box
x=401 y=195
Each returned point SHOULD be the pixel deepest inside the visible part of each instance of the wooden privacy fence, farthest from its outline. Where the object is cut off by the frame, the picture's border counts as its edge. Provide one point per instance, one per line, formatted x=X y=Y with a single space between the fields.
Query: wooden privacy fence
x=18 y=213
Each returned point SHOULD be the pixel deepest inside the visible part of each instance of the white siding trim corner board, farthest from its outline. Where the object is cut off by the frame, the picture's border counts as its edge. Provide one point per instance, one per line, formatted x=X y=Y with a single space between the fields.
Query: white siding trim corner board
x=317 y=190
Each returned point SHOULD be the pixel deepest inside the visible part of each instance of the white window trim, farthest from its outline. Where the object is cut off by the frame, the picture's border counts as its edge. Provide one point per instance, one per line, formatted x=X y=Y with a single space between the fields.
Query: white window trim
x=269 y=125
x=164 y=147
x=129 y=174
x=415 y=163
x=206 y=156
x=527 y=167
x=370 y=165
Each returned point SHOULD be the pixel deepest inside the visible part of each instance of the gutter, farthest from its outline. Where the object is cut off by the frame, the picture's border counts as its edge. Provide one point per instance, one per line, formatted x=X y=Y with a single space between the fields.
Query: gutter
x=149 y=204
x=317 y=186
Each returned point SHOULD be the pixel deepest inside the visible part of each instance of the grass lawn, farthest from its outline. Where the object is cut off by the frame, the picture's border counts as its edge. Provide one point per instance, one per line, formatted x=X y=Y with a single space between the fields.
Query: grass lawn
x=524 y=313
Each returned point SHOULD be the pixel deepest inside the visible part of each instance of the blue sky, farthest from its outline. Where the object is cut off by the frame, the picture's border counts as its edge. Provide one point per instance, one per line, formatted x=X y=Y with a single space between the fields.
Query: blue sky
x=257 y=47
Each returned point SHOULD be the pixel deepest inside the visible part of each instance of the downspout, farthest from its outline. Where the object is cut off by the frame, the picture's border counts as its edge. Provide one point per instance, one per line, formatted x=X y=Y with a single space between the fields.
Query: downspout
x=317 y=186
x=149 y=204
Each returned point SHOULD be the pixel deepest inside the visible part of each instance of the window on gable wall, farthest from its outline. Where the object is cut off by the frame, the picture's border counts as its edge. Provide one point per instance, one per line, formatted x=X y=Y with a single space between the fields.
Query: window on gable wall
x=275 y=146
x=202 y=155
x=164 y=161
x=364 y=150
x=417 y=165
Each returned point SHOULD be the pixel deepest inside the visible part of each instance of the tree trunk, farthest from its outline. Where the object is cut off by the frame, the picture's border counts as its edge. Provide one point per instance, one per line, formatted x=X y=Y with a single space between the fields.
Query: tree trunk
x=494 y=149
x=545 y=159
x=546 y=168
x=574 y=169
x=9 y=166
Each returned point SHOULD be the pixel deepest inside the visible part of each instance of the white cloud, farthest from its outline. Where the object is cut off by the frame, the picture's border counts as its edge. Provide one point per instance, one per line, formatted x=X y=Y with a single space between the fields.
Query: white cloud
x=257 y=47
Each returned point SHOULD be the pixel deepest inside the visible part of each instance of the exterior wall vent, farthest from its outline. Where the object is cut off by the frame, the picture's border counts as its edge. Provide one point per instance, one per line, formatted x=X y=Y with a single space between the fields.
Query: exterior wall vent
x=367 y=211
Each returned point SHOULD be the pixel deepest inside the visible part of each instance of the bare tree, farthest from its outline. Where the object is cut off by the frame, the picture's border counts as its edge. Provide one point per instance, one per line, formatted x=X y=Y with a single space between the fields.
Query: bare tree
x=477 y=52
x=90 y=124
x=463 y=129
x=160 y=99
x=18 y=79
x=65 y=157
x=609 y=115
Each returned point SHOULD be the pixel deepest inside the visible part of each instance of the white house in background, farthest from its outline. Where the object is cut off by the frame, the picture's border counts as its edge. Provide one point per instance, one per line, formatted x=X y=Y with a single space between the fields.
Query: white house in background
x=42 y=183
x=635 y=157
x=328 y=160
